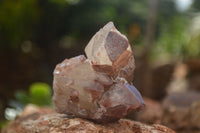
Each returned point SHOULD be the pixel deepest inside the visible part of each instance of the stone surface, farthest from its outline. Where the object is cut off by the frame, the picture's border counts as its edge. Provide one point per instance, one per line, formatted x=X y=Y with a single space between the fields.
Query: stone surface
x=33 y=109
x=62 y=123
x=182 y=110
x=149 y=115
x=98 y=88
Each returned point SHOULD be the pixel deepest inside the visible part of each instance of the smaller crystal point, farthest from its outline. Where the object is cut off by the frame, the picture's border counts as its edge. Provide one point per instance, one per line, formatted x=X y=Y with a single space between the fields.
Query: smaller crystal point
x=121 y=96
x=110 y=52
x=98 y=88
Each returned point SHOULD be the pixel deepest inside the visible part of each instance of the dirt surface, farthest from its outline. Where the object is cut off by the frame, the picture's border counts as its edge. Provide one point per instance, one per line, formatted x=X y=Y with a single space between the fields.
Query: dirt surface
x=47 y=121
x=60 y=123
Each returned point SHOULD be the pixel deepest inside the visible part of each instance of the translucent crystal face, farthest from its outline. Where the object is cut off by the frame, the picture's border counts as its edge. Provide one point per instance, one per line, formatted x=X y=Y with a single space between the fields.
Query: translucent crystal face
x=110 y=52
x=78 y=85
x=98 y=88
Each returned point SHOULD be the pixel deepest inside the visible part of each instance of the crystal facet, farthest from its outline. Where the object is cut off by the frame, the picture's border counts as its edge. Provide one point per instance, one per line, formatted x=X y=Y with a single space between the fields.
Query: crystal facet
x=98 y=88
x=110 y=52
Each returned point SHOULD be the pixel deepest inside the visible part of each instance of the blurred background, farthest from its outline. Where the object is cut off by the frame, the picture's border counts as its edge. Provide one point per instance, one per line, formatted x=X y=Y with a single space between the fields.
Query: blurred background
x=35 y=35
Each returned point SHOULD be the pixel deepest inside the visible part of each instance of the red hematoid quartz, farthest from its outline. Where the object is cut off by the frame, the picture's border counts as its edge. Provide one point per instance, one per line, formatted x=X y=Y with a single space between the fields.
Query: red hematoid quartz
x=98 y=88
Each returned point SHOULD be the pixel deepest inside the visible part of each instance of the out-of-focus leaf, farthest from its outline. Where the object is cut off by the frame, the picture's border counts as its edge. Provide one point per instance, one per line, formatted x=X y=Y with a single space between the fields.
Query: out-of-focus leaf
x=40 y=94
x=22 y=97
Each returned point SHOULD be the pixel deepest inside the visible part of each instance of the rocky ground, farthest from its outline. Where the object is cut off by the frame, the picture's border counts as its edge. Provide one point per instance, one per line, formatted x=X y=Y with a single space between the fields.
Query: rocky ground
x=178 y=110
x=179 y=115
x=45 y=120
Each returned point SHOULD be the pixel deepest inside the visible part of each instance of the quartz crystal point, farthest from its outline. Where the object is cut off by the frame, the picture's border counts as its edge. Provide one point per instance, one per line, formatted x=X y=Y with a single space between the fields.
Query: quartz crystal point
x=98 y=88
x=110 y=52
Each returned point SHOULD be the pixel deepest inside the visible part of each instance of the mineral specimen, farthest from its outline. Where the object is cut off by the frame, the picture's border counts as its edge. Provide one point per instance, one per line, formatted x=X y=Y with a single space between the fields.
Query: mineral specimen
x=110 y=52
x=98 y=88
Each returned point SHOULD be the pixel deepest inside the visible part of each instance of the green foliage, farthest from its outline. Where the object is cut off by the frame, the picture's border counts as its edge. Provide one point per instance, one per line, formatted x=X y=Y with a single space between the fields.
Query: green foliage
x=39 y=94
x=196 y=5
x=173 y=38
x=80 y=19
x=46 y=23
x=193 y=47
x=22 y=97
x=3 y=124
x=16 y=21
x=58 y=2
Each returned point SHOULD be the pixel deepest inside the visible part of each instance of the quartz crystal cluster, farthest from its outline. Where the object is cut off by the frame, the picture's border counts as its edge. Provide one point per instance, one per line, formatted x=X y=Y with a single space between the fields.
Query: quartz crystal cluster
x=98 y=87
